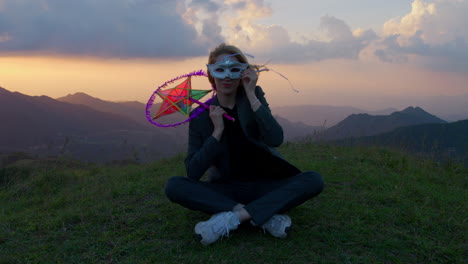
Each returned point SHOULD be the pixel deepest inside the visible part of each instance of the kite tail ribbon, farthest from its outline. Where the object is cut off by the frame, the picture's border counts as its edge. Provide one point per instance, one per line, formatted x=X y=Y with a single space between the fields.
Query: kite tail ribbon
x=286 y=78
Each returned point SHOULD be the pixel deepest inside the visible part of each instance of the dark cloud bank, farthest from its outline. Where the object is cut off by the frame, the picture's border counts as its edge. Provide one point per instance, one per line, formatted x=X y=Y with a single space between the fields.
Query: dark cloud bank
x=107 y=28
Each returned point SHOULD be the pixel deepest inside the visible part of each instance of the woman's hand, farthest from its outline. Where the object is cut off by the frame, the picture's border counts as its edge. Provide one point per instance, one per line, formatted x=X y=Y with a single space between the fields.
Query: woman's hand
x=216 y=115
x=249 y=79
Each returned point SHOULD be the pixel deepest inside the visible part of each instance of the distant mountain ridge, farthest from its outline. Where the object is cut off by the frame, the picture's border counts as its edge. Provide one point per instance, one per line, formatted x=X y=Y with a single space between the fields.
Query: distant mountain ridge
x=362 y=125
x=42 y=125
x=84 y=127
x=128 y=109
x=295 y=131
x=439 y=140
x=322 y=115
x=34 y=118
x=135 y=111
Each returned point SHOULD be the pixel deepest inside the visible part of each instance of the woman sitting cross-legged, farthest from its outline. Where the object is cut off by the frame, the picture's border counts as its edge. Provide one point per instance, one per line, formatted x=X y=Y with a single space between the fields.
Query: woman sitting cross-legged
x=249 y=179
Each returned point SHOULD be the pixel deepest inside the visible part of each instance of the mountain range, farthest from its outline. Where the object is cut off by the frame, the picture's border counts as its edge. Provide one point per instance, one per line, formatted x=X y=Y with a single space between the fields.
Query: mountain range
x=322 y=115
x=132 y=110
x=49 y=127
x=440 y=140
x=37 y=119
x=362 y=125
x=135 y=110
x=83 y=127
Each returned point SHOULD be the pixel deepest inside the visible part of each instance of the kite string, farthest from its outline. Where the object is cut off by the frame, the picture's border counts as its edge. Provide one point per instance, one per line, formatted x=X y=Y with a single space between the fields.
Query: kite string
x=265 y=68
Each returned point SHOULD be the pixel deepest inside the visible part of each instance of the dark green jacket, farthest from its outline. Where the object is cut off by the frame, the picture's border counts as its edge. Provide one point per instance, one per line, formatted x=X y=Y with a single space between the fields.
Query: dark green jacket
x=205 y=152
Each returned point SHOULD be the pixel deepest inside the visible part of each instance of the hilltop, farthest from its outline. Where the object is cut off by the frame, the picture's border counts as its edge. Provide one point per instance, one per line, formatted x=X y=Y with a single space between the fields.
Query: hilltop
x=378 y=206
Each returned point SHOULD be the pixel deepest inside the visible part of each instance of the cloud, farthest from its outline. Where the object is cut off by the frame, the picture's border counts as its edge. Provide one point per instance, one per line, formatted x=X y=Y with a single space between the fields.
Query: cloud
x=341 y=43
x=204 y=15
x=164 y=29
x=108 y=28
x=434 y=33
x=274 y=42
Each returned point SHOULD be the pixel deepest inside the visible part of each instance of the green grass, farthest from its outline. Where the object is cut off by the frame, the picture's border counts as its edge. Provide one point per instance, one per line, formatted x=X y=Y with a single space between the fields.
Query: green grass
x=378 y=206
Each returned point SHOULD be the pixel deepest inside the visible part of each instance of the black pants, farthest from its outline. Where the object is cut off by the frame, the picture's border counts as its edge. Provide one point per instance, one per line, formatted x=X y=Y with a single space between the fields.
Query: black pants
x=262 y=199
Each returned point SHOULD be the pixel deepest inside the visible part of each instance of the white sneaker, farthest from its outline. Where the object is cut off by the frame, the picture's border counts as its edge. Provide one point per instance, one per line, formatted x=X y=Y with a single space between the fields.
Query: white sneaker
x=278 y=225
x=217 y=226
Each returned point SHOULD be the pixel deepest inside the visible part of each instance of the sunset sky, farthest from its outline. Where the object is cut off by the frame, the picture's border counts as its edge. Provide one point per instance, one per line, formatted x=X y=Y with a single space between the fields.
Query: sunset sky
x=366 y=53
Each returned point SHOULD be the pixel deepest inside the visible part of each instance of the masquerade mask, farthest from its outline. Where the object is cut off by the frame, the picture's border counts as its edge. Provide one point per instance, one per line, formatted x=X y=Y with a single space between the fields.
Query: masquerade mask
x=227 y=68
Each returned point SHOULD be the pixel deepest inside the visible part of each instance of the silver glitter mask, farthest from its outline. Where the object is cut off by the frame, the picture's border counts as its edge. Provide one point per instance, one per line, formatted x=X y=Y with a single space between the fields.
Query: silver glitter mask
x=227 y=68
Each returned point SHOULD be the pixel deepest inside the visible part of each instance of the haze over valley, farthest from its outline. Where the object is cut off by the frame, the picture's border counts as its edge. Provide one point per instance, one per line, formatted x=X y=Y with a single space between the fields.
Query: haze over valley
x=79 y=126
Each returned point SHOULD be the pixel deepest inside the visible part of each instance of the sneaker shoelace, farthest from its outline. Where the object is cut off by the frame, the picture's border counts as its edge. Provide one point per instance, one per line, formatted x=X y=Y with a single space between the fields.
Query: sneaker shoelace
x=267 y=225
x=220 y=226
x=274 y=223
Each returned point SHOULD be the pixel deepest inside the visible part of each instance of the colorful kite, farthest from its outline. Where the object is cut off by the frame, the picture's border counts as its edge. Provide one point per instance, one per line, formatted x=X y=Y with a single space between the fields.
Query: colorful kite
x=178 y=99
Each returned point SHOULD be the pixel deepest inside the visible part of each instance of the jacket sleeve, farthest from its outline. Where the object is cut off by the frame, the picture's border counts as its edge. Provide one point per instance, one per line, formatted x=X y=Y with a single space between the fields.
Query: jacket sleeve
x=271 y=131
x=202 y=153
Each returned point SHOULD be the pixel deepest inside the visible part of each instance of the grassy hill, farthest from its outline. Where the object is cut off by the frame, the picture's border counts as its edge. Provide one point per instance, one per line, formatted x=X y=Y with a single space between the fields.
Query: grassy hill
x=378 y=206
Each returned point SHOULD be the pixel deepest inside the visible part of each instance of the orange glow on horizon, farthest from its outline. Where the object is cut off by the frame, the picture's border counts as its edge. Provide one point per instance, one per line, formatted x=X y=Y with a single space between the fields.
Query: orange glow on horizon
x=108 y=79
x=333 y=82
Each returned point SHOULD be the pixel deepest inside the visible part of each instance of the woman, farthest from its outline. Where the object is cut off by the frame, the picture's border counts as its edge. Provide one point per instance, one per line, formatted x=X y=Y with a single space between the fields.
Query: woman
x=248 y=179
